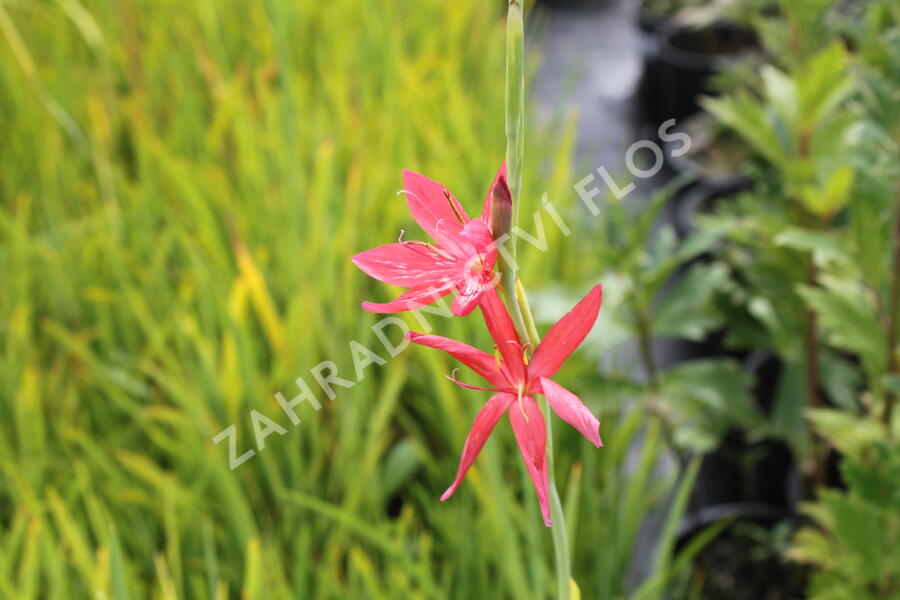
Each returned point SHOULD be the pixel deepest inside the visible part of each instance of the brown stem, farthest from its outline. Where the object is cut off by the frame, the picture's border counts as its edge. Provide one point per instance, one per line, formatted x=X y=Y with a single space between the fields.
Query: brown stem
x=811 y=355
x=810 y=341
x=891 y=326
x=811 y=346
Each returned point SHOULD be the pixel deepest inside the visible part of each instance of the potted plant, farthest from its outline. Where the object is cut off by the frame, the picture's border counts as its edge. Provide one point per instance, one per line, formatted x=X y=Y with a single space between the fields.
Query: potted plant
x=685 y=45
x=714 y=166
x=815 y=285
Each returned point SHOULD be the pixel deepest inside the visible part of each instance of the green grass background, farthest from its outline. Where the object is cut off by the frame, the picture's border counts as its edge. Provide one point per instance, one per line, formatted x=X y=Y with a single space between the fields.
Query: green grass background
x=182 y=184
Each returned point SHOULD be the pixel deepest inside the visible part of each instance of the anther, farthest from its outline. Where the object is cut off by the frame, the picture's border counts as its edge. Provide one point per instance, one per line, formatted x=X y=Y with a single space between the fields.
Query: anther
x=525 y=350
x=453 y=207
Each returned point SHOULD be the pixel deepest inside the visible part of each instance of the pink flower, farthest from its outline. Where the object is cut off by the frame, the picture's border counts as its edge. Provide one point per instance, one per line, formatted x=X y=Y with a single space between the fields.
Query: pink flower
x=514 y=381
x=462 y=259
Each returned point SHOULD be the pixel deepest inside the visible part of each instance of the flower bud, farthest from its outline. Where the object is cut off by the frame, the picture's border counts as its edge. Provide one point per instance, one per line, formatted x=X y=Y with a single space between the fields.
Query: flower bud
x=501 y=208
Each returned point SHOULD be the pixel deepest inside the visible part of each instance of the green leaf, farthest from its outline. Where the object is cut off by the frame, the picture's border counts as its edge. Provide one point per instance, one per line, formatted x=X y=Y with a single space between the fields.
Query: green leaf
x=707 y=397
x=846 y=432
x=848 y=317
x=869 y=217
x=746 y=116
x=687 y=311
x=892 y=382
x=663 y=567
x=823 y=84
x=117 y=572
x=833 y=196
x=841 y=379
x=400 y=464
x=824 y=246
x=781 y=91
x=790 y=402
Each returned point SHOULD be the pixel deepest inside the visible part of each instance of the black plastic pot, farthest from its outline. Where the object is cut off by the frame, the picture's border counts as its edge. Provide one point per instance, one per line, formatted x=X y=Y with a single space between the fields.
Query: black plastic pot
x=715 y=153
x=713 y=163
x=746 y=484
x=740 y=471
x=762 y=472
x=758 y=512
x=742 y=561
x=651 y=22
x=701 y=197
x=679 y=62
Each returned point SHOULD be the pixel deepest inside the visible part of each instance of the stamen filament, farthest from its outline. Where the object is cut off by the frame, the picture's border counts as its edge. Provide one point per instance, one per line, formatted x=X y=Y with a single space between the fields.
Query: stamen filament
x=452 y=377
x=453 y=207
x=436 y=249
x=519 y=397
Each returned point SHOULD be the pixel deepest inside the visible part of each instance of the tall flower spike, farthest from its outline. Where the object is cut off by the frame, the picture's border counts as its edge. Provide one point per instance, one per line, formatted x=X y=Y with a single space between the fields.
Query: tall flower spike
x=462 y=258
x=515 y=383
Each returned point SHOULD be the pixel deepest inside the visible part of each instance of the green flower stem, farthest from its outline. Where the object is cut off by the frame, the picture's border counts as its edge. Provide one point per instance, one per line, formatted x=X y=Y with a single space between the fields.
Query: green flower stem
x=515 y=104
x=515 y=145
x=559 y=530
x=560 y=535
x=516 y=301
x=508 y=281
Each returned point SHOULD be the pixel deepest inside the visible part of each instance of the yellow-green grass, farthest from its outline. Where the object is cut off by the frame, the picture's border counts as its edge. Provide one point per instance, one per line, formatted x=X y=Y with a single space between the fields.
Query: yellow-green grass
x=182 y=185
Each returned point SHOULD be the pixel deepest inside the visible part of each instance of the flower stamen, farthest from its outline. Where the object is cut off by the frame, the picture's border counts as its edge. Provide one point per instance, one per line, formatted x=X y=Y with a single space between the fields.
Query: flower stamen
x=519 y=397
x=436 y=249
x=452 y=377
x=453 y=207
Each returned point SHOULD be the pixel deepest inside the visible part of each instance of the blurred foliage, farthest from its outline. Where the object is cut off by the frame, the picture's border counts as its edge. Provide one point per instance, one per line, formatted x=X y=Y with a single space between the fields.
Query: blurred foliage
x=854 y=539
x=182 y=187
x=810 y=246
x=813 y=250
x=854 y=536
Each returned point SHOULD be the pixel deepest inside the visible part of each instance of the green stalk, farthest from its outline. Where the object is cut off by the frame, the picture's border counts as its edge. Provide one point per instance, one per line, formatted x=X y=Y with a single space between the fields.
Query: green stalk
x=516 y=301
x=559 y=530
x=515 y=145
x=515 y=104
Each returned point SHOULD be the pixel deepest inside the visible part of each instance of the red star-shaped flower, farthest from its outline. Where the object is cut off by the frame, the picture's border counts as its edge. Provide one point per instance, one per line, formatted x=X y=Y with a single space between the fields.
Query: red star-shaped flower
x=515 y=380
x=462 y=258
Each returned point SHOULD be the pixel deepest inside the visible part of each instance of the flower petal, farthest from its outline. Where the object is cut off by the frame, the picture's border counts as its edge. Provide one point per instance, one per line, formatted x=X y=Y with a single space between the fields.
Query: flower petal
x=476 y=274
x=480 y=362
x=503 y=333
x=411 y=299
x=572 y=410
x=407 y=264
x=467 y=299
x=531 y=435
x=477 y=233
x=432 y=206
x=484 y=424
x=566 y=335
x=486 y=210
